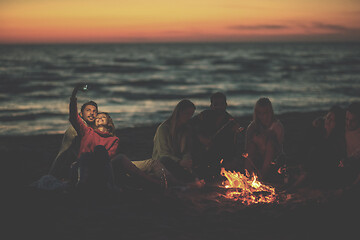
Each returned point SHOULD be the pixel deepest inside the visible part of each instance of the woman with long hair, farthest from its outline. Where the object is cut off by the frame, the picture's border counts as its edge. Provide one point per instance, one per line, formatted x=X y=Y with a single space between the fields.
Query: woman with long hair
x=171 y=158
x=264 y=138
x=326 y=148
x=321 y=149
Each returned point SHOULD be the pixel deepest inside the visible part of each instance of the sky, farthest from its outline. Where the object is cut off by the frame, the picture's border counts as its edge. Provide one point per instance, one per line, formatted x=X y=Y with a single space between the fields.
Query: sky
x=66 y=21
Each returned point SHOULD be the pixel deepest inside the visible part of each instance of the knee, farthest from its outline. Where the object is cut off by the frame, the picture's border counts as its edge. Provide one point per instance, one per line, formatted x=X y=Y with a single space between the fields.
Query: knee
x=270 y=144
x=119 y=157
x=250 y=147
x=118 y=160
x=165 y=159
x=100 y=152
x=272 y=139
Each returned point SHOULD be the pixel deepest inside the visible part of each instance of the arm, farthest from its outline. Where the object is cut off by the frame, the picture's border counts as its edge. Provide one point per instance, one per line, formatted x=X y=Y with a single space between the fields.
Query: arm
x=279 y=131
x=250 y=131
x=276 y=135
x=274 y=145
x=268 y=158
x=318 y=122
x=74 y=118
x=180 y=169
x=113 y=150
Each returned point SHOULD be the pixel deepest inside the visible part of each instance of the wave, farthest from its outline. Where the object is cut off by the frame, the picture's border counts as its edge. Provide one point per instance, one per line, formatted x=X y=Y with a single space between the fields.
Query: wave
x=14 y=89
x=152 y=83
x=203 y=57
x=256 y=92
x=43 y=96
x=158 y=96
x=272 y=55
x=115 y=69
x=241 y=61
x=28 y=116
x=175 y=61
x=25 y=85
x=44 y=76
x=241 y=65
x=348 y=91
x=130 y=60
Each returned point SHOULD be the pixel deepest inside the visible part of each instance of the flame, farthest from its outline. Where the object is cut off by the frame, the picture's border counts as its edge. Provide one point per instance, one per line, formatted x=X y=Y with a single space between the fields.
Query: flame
x=248 y=190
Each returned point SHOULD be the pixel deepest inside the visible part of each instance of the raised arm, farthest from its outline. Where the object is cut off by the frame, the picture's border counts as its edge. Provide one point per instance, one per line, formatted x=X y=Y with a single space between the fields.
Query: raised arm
x=74 y=117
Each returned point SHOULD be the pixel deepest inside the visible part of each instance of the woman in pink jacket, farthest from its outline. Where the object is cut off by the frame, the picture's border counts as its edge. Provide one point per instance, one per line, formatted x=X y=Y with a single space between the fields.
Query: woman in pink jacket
x=98 y=146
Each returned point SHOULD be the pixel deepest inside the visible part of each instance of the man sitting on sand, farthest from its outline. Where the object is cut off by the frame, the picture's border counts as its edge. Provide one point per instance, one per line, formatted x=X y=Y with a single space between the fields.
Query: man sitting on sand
x=71 y=143
x=214 y=139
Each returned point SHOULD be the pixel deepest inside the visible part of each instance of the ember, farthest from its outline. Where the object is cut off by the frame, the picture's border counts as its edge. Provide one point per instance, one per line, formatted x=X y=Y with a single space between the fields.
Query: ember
x=248 y=190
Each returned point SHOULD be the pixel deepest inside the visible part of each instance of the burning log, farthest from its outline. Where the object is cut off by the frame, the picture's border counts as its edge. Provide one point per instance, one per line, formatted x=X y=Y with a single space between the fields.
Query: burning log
x=246 y=189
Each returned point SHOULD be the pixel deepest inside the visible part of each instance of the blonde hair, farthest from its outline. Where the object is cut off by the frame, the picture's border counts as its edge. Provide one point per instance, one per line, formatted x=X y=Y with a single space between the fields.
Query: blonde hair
x=110 y=126
x=173 y=120
x=262 y=102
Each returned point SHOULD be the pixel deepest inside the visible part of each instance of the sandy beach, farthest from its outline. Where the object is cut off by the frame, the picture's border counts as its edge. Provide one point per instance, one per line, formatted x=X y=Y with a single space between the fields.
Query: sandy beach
x=305 y=214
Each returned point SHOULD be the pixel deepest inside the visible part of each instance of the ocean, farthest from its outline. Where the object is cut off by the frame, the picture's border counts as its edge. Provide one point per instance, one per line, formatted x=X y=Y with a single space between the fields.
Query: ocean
x=140 y=84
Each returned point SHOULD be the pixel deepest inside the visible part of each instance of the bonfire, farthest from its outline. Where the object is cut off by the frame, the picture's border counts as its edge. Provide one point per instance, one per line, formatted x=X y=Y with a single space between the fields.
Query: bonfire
x=246 y=188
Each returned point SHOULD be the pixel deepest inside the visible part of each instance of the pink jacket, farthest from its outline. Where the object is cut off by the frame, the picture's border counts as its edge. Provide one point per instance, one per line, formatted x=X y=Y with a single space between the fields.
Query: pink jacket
x=90 y=137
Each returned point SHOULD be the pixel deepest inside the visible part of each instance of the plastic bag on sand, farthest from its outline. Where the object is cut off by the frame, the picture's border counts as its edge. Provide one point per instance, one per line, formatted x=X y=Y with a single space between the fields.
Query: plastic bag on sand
x=48 y=182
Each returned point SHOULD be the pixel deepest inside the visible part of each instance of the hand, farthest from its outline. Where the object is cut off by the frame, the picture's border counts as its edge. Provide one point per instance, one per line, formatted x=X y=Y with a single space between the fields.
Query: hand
x=238 y=129
x=197 y=183
x=206 y=142
x=186 y=163
x=75 y=90
x=318 y=122
x=78 y=87
x=341 y=163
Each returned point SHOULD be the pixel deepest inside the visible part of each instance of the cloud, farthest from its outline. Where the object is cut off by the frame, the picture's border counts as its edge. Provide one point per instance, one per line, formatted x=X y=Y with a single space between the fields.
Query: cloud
x=259 y=27
x=313 y=26
x=332 y=27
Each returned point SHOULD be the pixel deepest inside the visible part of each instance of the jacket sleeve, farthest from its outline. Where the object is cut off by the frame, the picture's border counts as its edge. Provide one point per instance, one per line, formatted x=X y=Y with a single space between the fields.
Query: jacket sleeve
x=114 y=148
x=75 y=119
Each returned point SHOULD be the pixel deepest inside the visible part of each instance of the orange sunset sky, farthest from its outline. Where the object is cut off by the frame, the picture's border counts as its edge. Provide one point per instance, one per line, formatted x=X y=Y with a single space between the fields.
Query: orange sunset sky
x=42 y=21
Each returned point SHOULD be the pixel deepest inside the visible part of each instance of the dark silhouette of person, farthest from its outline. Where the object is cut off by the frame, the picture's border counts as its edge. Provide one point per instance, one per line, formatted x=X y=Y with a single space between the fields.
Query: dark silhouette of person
x=215 y=132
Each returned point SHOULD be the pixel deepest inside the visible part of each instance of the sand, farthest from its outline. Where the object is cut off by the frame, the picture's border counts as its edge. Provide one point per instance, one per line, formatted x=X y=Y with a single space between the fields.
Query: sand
x=193 y=214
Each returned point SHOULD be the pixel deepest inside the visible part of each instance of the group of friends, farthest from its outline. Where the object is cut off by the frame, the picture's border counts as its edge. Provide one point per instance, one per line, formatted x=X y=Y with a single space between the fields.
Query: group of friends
x=190 y=150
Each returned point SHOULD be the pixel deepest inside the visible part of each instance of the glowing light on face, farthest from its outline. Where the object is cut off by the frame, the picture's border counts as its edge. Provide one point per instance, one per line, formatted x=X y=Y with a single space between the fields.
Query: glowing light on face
x=101 y=119
x=264 y=115
x=89 y=113
x=186 y=115
x=352 y=122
